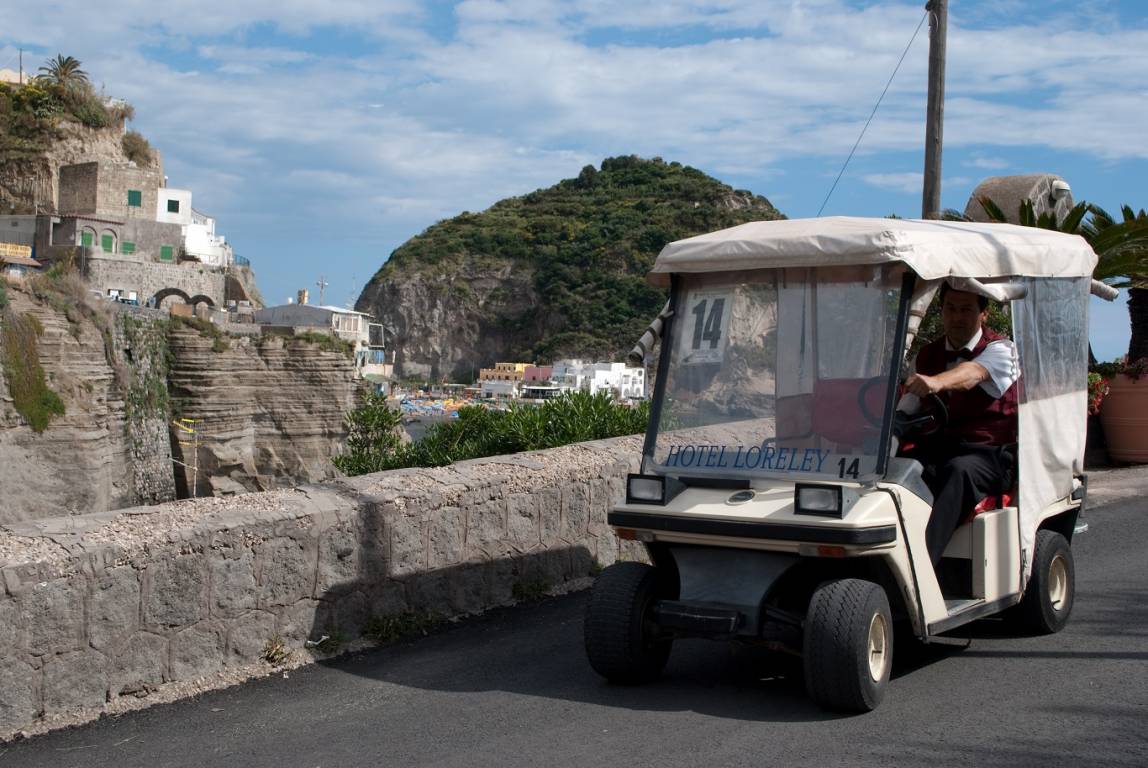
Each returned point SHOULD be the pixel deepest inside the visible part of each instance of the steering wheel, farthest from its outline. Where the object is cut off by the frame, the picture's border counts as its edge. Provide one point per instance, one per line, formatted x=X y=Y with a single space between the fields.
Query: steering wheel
x=863 y=395
x=934 y=418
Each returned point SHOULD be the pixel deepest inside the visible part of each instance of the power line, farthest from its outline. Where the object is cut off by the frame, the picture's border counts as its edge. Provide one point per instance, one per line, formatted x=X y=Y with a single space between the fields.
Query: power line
x=874 y=112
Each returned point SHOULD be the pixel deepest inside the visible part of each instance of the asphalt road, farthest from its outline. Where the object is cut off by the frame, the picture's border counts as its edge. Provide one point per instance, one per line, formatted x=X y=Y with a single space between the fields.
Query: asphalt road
x=513 y=688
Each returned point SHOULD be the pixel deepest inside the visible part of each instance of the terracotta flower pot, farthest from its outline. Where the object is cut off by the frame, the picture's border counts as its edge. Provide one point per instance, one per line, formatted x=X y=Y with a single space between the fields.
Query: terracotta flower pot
x=1124 y=414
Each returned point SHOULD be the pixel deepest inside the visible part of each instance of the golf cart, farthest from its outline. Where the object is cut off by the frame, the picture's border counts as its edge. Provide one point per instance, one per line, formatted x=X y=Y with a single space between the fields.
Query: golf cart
x=772 y=502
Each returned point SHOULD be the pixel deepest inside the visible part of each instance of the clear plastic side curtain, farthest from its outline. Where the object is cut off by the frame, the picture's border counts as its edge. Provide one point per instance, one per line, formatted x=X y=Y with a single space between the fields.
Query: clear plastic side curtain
x=1050 y=328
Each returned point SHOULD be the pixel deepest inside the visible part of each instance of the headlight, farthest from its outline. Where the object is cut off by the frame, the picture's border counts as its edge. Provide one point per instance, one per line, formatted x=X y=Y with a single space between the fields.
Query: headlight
x=651 y=489
x=825 y=500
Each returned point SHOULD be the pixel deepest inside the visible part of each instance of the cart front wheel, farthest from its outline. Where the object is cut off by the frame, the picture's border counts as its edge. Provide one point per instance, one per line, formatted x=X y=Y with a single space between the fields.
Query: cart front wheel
x=622 y=642
x=848 y=645
x=1050 y=593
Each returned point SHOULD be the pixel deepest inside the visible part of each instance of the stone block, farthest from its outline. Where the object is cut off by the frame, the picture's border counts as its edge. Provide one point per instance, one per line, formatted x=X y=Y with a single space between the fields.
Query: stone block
x=233 y=586
x=522 y=521
x=53 y=611
x=13 y=630
x=19 y=695
x=575 y=511
x=247 y=636
x=114 y=608
x=388 y=598
x=351 y=613
x=581 y=562
x=446 y=537
x=304 y=620
x=140 y=666
x=175 y=591
x=340 y=560
x=467 y=588
x=408 y=545
x=76 y=680
x=429 y=593
x=485 y=529
x=197 y=651
x=287 y=572
x=600 y=500
x=549 y=502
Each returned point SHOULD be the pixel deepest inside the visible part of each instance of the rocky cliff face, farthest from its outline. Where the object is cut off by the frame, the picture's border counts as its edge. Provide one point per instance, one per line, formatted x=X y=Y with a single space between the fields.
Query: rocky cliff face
x=267 y=411
x=83 y=461
x=450 y=325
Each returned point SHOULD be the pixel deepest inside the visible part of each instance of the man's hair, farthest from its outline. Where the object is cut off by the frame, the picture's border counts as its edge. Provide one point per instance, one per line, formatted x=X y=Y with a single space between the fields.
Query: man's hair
x=982 y=301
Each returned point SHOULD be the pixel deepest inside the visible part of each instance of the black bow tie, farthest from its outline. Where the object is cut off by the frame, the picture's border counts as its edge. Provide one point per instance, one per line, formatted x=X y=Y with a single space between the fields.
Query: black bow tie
x=952 y=356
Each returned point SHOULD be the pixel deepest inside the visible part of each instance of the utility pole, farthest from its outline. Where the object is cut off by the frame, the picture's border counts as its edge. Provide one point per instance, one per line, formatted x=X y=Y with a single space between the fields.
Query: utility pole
x=935 y=111
x=322 y=286
x=21 y=66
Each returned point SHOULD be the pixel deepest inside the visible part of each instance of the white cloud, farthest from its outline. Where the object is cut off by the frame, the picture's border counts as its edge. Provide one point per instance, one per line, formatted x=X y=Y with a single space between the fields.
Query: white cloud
x=907 y=182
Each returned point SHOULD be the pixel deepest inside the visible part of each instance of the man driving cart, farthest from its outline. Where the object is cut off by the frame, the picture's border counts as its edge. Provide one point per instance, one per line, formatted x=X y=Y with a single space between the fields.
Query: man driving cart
x=974 y=372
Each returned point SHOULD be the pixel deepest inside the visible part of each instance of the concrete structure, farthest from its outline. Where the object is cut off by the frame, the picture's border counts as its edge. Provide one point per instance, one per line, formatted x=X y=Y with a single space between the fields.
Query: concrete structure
x=493 y=389
x=105 y=607
x=1047 y=191
x=12 y=77
x=15 y=261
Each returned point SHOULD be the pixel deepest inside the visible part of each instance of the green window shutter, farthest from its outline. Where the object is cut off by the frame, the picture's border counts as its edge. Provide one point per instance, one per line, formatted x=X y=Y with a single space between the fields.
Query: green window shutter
x=166 y=253
x=107 y=242
x=173 y=206
x=86 y=239
x=127 y=247
x=135 y=198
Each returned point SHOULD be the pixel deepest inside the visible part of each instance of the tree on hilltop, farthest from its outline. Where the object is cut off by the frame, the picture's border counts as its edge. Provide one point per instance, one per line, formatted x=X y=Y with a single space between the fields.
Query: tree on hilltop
x=64 y=71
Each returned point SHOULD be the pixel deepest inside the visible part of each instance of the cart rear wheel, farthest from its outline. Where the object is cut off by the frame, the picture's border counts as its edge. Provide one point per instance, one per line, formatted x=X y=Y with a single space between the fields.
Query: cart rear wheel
x=1051 y=591
x=848 y=645
x=622 y=642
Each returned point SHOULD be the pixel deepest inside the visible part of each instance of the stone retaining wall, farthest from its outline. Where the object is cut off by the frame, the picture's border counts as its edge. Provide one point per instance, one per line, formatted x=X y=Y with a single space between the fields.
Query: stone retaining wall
x=125 y=603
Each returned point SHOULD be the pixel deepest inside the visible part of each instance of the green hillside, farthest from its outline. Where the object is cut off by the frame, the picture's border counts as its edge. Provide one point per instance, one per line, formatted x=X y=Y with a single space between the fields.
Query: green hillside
x=588 y=242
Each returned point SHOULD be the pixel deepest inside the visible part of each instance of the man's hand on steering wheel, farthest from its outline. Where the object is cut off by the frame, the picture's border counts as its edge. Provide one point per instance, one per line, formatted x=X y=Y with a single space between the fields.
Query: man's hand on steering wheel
x=922 y=386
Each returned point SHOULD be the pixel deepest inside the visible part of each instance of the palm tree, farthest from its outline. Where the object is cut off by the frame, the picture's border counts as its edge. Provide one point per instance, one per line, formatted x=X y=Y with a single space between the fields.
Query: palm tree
x=64 y=71
x=1121 y=248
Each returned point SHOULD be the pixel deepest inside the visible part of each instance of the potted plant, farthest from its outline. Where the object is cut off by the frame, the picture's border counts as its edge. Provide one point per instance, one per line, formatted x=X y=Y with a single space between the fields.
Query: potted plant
x=1124 y=410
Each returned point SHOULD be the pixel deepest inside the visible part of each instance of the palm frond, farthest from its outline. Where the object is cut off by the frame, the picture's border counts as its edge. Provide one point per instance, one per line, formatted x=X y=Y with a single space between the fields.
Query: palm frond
x=992 y=210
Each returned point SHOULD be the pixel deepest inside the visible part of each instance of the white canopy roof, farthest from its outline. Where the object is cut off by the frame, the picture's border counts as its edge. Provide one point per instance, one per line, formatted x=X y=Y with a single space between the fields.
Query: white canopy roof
x=932 y=249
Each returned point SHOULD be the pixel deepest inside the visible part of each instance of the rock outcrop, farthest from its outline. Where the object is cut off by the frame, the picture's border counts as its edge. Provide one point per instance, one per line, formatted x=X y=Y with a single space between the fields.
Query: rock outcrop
x=267 y=410
x=559 y=272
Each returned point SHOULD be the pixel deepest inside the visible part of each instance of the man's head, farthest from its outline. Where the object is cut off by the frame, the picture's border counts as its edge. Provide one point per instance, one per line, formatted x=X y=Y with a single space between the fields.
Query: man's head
x=962 y=315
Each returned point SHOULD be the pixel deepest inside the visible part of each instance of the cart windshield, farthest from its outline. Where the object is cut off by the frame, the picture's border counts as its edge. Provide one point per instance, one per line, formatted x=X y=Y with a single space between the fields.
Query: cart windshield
x=784 y=373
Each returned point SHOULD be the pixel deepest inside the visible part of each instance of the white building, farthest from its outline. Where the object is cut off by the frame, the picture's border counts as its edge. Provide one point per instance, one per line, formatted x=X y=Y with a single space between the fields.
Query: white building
x=200 y=241
x=618 y=379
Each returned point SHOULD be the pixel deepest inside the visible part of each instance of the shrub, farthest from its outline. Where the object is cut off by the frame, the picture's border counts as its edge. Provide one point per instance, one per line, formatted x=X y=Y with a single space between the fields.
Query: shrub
x=374 y=444
x=3 y=295
x=31 y=395
x=136 y=148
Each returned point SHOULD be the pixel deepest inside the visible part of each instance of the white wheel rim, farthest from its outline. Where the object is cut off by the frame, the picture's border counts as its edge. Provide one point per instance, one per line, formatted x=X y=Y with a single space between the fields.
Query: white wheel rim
x=1057 y=583
x=878 y=647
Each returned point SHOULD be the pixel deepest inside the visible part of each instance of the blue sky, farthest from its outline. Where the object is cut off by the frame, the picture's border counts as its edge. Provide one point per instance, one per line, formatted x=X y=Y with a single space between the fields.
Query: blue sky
x=323 y=135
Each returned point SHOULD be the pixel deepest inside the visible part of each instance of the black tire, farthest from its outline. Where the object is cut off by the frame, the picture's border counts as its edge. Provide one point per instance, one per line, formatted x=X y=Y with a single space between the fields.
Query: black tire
x=1051 y=591
x=843 y=669
x=622 y=643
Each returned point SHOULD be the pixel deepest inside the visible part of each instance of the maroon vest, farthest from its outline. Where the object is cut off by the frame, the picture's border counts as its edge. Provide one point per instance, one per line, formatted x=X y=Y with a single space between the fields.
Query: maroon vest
x=974 y=416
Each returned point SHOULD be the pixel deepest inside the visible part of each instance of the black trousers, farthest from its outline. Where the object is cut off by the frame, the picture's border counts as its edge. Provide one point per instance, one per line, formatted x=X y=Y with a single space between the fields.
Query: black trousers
x=960 y=475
